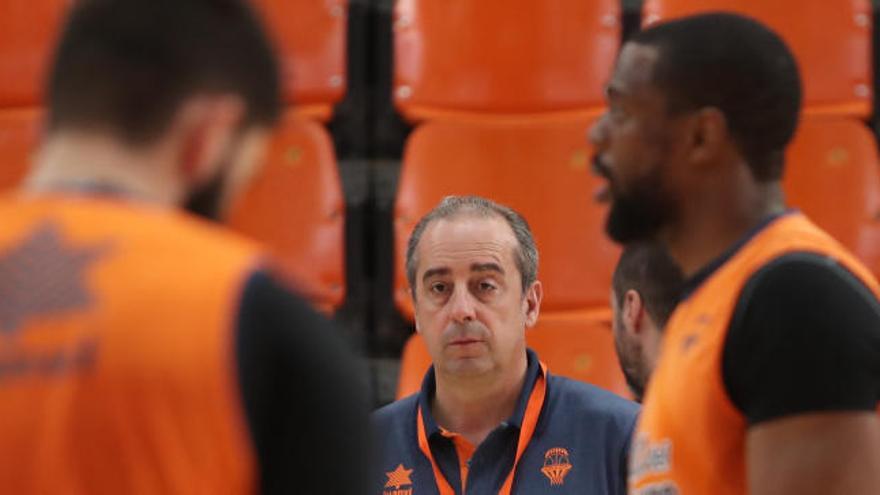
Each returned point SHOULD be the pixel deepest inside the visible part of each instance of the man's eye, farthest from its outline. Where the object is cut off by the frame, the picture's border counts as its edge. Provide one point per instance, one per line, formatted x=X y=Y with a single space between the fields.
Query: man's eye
x=487 y=286
x=438 y=288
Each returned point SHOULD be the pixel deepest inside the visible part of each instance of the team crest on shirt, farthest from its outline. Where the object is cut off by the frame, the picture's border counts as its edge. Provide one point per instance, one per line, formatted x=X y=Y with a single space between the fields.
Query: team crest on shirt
x=557 y=464
x=45 y=275
x=399 y=482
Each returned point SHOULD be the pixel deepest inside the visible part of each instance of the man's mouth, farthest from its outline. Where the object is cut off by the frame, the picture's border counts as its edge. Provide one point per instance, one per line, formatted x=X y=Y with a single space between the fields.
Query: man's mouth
x=599 y=167
x=602 y=194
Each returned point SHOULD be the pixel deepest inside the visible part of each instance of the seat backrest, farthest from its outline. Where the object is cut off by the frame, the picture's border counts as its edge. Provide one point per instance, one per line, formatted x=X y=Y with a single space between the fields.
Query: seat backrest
x=310 y=36
x=511 y=56
x=542 y=170
x=19 y=133
x=295 y=206
x=311 y=39
x=576 y=346
x=581 y=347
x=830 y=39
x=832 y=175
x=414 y=363
x=28 y=31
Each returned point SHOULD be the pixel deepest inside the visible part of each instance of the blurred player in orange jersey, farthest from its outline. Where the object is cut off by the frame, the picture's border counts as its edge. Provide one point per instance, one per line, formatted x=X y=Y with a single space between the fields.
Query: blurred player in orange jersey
x=644 y=291
x=769 y=371
x=143 y=349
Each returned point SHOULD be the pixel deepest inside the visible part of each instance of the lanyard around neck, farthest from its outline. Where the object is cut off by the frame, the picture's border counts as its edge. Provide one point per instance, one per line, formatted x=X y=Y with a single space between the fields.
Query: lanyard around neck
x=530 y=421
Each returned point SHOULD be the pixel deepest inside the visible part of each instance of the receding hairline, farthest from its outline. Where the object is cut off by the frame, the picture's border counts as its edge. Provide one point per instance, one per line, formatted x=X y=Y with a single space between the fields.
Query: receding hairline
x=473 y=213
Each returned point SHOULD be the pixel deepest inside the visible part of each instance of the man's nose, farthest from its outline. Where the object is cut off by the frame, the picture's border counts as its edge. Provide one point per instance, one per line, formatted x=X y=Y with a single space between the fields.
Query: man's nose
x=598 y=134
x=461 y=306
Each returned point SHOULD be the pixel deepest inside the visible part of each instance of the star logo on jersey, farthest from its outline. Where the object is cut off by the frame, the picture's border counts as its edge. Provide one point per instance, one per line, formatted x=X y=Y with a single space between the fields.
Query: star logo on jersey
x=398 y=479
x=557 y=464
x=42 y=276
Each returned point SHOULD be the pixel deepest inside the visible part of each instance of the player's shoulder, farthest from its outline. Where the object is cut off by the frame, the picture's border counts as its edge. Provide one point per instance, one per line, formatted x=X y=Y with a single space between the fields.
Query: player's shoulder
x=201 y=232
x=398 y=410
x=394 y=425
x=585 y=401
x=792 y=272
x=150 y=236
x=803 y=261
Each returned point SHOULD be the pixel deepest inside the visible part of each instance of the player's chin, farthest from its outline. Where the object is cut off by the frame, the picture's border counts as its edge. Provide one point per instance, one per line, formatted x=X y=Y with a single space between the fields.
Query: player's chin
x=463 y=366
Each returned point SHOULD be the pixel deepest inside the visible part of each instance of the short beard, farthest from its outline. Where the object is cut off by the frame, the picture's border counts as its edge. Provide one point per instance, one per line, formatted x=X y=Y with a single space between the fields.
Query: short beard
x=629 y=356
x=636 y=385
x=640 y=214
x=205 y=201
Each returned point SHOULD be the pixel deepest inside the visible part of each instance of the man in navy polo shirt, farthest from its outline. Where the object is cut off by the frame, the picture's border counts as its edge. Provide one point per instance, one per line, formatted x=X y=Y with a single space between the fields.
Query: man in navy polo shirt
x=490 y=418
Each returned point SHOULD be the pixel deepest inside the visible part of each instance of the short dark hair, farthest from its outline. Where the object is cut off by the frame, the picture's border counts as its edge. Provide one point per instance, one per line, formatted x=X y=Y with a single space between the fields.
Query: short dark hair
x=647 y=268
x=526 y=256
x=739 y=66
x=127 y=65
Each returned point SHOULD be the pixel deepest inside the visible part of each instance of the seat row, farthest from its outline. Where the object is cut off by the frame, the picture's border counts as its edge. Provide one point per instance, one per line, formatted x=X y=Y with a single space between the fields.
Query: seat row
x=495 y=56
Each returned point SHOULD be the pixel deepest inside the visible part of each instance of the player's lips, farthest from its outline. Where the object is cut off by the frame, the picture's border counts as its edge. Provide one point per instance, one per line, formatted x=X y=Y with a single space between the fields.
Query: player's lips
x=602 y=194
x=464 y=341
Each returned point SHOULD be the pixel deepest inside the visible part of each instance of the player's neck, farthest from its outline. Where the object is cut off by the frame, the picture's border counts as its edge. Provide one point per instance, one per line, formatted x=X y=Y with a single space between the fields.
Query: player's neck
x=717 y=217
x=474 y=406
x=84 y=163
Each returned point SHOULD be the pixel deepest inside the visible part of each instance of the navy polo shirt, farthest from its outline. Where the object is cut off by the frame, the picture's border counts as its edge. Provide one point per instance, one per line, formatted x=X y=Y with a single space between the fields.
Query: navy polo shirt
x=580 y=443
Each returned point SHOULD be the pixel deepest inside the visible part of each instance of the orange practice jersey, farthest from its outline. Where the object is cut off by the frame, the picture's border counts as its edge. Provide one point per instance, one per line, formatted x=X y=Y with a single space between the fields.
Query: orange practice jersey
x=690 y=438
x=117 y=365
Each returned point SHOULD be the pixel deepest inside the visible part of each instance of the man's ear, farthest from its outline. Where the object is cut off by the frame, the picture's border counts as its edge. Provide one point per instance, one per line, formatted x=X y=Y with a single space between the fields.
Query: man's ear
x=532 y=303
x=632 y=312
x=708 y=135
x=203 y=130
x=244 y=164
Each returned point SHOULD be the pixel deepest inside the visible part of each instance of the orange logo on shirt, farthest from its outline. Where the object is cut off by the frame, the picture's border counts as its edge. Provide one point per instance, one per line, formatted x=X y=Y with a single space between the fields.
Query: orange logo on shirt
x=397 y=479
x=556 y=465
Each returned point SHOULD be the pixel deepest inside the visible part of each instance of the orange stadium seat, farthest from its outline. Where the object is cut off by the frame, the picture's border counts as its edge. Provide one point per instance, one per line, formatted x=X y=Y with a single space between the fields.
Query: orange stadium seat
x=296 y=207
x=541 y=169
x=831 y=40
x=832 y=175
x=502 y=56
x=311 y=40
x=28 y=30
x=19 y=133
x=575 y=346
x=414 y=362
